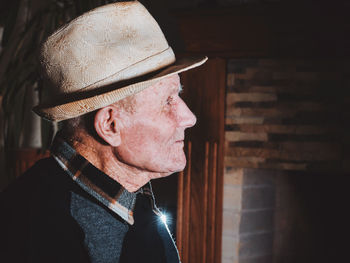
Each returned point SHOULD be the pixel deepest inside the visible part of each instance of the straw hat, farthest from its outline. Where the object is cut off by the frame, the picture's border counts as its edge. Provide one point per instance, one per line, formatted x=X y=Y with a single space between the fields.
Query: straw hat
x=103 y=56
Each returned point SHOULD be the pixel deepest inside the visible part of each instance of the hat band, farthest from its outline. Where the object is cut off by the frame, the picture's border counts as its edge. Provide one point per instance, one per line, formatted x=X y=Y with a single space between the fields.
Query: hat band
x=143 y=67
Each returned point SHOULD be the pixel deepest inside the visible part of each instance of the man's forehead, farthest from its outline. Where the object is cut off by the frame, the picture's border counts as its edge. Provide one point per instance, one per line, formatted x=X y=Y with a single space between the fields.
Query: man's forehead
x=172 y=83
x=164 y=87
x=152 y=95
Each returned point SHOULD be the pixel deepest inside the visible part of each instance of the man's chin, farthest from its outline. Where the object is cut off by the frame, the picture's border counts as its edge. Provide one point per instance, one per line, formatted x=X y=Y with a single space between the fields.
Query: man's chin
x=171 y=171
x=160 y=175
x=179 y=167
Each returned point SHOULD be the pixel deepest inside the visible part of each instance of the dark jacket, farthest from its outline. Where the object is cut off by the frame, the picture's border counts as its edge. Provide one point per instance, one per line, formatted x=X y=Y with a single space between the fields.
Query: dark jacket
x=36 y=224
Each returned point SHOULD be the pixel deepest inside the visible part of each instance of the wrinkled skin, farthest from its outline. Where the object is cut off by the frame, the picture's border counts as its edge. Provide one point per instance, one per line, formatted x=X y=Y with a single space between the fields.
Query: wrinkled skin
x=142 y=144
x=153 y=140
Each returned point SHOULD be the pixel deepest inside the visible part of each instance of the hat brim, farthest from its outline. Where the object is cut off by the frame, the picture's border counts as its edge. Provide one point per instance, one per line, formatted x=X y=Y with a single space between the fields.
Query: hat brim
x=76 y=104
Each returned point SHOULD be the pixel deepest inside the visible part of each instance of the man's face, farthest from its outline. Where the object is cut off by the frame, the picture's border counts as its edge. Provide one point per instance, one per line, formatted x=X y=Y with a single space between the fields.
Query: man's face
x=152 y=137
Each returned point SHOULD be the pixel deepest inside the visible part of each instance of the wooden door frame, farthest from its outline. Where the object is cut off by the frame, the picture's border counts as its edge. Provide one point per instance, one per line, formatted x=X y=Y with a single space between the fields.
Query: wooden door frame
x=200 y=186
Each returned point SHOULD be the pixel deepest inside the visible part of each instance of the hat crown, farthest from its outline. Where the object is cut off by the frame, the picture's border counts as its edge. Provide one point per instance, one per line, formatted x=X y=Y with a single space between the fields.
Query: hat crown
x=115 y=42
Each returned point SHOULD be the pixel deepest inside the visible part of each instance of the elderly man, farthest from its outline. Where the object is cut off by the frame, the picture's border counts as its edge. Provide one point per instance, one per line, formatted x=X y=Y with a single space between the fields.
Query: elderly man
x=112 y=80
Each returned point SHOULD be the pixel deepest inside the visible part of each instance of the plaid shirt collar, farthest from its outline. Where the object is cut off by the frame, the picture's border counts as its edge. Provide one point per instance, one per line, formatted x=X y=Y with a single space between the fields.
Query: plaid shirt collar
x=102 y=187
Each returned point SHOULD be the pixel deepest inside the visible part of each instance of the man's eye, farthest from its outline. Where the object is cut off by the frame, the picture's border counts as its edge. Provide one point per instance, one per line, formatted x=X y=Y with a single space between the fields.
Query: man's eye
x=169 y=101
x=181 y=89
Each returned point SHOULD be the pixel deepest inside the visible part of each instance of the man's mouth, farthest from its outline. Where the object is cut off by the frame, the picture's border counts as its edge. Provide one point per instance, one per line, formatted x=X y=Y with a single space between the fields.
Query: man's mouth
x=180 y=142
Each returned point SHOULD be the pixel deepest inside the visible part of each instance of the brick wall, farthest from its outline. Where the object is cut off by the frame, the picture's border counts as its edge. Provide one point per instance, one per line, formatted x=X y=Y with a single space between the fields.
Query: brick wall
x=273 y=216
x=249 y=207
x=256 y=224
x=286 y=114
x=285 y=121
x=232 y=210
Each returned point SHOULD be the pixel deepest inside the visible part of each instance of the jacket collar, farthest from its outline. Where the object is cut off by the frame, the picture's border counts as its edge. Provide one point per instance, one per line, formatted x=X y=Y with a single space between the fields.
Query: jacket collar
x=102 y=187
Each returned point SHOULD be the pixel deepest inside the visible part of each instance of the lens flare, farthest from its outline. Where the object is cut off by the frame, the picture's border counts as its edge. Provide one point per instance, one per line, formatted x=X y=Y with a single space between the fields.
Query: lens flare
x=163 y=218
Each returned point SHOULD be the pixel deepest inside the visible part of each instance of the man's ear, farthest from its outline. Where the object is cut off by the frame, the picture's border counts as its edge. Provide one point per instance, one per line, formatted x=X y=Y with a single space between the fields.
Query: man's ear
x=106 y=125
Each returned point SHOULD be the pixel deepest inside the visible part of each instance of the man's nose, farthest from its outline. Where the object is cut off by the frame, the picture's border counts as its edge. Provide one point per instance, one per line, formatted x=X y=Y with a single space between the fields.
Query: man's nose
x=186 y=118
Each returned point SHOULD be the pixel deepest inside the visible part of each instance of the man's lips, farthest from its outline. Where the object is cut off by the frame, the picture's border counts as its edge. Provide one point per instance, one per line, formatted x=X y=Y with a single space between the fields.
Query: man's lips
x=179 y=142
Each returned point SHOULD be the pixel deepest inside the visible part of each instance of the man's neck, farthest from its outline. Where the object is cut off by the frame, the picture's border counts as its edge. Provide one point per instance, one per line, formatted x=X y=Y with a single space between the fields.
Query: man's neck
x=103 y=158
